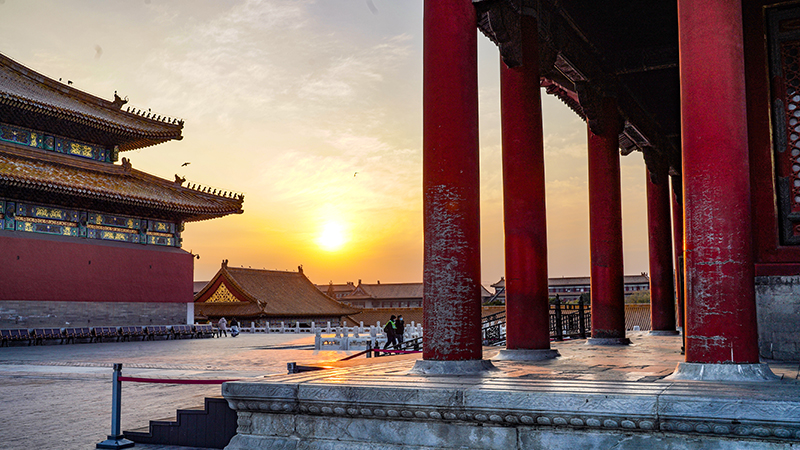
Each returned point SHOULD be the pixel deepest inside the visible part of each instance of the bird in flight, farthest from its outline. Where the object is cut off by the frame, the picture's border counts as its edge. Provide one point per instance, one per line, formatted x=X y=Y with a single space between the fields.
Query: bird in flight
x=185 y=164
x=355 y=174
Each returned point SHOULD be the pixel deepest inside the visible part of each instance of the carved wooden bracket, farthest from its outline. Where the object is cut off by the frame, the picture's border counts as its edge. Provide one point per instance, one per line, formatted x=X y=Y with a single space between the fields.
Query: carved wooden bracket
x=591 y=99
x=657 y=165
x=500 y=21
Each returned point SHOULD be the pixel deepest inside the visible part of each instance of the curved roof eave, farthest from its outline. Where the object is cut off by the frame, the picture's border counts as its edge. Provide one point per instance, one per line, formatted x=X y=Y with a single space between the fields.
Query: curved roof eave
x=33 y=92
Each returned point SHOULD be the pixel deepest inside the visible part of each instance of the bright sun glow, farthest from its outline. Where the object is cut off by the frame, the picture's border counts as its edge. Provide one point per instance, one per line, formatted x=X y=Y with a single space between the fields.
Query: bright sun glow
x=332 y=237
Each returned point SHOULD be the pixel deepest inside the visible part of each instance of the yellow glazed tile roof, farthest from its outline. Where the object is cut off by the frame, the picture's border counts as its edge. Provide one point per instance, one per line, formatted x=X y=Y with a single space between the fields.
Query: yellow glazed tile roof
x=61 y=174
x=27 y=97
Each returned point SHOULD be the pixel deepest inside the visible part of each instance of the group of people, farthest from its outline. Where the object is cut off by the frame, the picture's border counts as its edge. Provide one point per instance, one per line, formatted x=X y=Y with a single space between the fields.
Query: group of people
x=223 y=327
x=395 y=329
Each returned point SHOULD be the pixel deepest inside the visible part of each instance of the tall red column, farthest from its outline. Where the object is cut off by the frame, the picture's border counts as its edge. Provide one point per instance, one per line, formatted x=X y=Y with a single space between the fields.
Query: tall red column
x=677 y=241
x=605 y=227
x=527 y=299
x=452 y=272
x=662 y=290
x=720 y=293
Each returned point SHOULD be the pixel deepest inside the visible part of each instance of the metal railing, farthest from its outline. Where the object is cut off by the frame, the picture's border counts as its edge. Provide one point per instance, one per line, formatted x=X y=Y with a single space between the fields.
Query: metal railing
x=567 y=321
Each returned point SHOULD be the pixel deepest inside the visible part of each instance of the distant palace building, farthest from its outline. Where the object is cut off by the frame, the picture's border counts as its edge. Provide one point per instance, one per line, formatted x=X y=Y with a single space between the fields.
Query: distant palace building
x=260 y=296
x=409 y=295
x=380 y=295
x=571 y=288
x=83 y=240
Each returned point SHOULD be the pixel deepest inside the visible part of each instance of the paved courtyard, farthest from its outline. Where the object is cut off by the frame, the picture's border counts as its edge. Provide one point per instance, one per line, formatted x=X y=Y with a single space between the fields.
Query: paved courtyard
x=59 y=396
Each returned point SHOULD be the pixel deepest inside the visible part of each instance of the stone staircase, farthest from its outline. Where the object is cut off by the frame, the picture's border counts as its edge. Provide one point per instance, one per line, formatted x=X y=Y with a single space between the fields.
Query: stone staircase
x=210 y=427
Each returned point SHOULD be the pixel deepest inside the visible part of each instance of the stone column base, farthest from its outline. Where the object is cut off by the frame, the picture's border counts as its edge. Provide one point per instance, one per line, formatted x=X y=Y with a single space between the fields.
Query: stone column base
x=664 y=332
x=467 y=367
x=722 y=372
x=526 y=355
x=608 y=341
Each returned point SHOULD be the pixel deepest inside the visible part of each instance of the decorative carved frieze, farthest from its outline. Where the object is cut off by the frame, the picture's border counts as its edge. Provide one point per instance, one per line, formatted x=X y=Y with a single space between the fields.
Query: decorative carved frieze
x=37 y=218
x=641 y=422
x=222 y=295
x=38 y=139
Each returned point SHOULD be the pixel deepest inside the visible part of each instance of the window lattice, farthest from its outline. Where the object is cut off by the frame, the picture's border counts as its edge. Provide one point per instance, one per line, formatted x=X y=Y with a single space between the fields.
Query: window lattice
x=222 y=295
x=790 y=55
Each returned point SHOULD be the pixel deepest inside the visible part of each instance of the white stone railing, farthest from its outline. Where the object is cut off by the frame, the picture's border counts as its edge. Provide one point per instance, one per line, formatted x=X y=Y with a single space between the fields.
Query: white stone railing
x=283 y=327
x=357 y=338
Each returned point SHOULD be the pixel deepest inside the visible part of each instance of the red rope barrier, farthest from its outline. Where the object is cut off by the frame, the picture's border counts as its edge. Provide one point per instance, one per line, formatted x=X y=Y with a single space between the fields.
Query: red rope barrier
x=172 y=381
x=399 y=352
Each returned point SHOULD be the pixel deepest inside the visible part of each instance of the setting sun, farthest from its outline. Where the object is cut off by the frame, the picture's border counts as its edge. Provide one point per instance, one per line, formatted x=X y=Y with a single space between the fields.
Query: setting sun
x=332 y=237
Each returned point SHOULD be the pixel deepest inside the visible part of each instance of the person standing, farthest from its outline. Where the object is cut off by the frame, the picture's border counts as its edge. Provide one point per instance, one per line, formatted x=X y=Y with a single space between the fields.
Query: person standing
x=234 y=327
x=401 y=330
x=223 y=327
x=391 y=333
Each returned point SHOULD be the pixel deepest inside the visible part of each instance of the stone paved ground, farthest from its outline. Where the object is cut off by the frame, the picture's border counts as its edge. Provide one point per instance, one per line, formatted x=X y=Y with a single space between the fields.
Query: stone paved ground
x=59 y=396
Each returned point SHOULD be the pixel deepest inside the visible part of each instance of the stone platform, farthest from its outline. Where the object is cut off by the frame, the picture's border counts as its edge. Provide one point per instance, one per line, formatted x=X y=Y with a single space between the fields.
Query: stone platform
x=591 y=397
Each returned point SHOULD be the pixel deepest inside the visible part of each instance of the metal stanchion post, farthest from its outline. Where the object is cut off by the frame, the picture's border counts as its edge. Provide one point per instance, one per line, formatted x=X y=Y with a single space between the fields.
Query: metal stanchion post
x=582 y=318
x=115 y=439
x=559 y=325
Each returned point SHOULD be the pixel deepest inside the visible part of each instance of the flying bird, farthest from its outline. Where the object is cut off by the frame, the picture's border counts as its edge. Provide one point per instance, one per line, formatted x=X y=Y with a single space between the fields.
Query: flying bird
x=185 y=164
x=355 y=174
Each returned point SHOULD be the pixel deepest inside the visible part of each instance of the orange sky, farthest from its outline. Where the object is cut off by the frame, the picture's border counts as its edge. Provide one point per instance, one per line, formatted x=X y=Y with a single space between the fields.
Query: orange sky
x=312 y=109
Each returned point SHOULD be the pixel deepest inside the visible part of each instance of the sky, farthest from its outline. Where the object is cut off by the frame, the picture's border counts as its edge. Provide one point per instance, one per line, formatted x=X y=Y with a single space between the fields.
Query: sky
x=313 y=110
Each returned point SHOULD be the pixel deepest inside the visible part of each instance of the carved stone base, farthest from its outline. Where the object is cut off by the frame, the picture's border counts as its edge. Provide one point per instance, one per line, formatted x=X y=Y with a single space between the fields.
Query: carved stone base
x=722 y=372
x=664 y=332
x=468 y=367
x=526 y=355
x=608 y=341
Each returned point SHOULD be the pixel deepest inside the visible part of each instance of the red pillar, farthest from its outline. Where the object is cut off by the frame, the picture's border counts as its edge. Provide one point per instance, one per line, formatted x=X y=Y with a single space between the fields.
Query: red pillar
x=720 y=293
x=662 y=291
x=527 y=306
x=677 y=241
x=452 y=289
x=605 y=229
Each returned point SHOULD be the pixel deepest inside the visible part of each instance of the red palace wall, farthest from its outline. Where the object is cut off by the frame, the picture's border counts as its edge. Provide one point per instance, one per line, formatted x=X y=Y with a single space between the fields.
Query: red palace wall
x=47 y=268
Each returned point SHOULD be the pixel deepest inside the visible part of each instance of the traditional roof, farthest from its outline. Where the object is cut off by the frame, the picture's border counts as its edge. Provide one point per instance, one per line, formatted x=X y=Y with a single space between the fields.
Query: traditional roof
x=42 y=174
x=32 y=100
x=336 y=290
x=387 y=291
x=244 y=292
x=198 y=286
